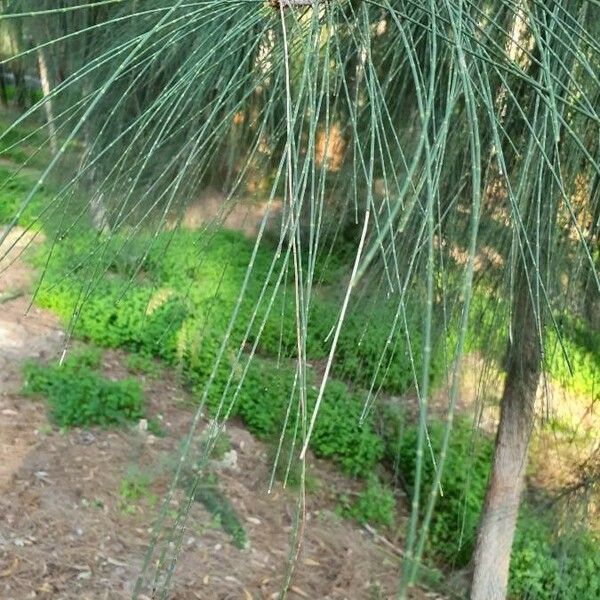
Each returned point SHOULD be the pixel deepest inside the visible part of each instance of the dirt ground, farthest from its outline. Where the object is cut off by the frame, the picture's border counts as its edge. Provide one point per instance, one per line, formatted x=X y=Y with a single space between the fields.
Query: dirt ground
x=68 y=532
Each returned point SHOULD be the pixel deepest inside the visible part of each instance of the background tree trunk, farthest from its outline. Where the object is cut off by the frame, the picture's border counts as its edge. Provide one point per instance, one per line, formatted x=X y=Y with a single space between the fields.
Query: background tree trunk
x=3 y=89
x=20 y=86
x=46 y=89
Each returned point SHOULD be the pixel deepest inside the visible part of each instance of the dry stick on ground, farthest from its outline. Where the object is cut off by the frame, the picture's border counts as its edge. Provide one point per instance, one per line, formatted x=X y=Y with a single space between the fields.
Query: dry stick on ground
x=384 y=540
x=11 y=295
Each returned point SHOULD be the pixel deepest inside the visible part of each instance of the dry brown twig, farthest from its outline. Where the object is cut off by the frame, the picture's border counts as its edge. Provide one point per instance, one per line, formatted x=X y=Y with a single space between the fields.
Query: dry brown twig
x=291 y=3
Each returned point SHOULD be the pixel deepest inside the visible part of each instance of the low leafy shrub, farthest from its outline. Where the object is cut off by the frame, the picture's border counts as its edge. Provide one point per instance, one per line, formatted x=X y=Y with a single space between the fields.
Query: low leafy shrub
x=198 y=289
x=155 y=427
x=545 y=566
x=337 y=435
x=78 y=396
x=464 y=480
x=89 y=356
x=370 y=353
x=111 y=322
x=263 y=398
x=374 y=505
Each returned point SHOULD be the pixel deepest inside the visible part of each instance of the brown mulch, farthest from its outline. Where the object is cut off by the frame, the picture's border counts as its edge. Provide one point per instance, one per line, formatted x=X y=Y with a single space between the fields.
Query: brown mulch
x=67 y=532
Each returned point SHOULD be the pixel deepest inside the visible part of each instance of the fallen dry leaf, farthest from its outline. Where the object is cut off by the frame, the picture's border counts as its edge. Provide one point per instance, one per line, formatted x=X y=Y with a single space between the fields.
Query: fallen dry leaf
x=11 y=569
x=45 y=588
x=298 y=591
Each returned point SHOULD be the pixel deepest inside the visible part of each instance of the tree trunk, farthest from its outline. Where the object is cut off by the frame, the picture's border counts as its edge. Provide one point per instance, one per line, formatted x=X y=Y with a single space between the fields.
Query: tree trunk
x=20 y=87
x=98 y=212
x=491 y=558
x=45 y=79
x=3 y=90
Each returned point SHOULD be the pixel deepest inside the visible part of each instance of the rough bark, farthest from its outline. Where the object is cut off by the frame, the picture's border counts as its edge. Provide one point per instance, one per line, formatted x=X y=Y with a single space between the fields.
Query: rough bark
x=491 y=558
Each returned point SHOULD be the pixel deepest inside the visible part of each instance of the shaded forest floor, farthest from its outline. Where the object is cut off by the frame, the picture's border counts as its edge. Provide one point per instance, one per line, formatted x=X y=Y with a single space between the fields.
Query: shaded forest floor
x=76 y=506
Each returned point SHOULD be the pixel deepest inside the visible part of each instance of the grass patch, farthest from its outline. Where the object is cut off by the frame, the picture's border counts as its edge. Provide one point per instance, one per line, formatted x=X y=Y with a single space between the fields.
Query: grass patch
x=133 y=489
x=579 y=371
x=205 y=489
x=141 y=364
x=464 y=480
x=14 y=188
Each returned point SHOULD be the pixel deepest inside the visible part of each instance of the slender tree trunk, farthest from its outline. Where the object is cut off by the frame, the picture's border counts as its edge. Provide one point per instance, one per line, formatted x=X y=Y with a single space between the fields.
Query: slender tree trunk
x=98 y=212
x=501 y=506
x=3 y=90
x=46 y=89
x=20 y=87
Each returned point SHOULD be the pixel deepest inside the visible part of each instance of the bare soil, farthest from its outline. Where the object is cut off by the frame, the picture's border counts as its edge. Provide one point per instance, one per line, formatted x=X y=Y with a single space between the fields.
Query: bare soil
x=68 y=532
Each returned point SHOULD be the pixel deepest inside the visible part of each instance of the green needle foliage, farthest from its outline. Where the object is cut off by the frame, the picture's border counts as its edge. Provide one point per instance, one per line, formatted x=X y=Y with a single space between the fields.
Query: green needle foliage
x=206 y=491
x=422 y=152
